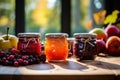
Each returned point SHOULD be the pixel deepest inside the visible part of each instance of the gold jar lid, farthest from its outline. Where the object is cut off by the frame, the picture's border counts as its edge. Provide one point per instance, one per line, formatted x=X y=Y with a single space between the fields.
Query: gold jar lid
x=79 y=35
x=29 y=35
x=56 y=35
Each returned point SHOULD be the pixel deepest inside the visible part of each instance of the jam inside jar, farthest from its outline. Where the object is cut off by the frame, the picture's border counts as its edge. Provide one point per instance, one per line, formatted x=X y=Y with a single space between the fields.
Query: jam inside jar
x=56 y=47
x=29 y=43
x=84 y=46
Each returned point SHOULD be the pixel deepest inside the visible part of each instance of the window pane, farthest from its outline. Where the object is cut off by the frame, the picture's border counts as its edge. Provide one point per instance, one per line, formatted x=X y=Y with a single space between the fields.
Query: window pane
x=43 y=16
x=7 y=16
x=82 y=14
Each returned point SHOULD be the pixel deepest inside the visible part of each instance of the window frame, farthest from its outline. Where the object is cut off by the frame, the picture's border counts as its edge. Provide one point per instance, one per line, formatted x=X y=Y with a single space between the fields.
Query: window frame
x=20 y=16
x=65 y=14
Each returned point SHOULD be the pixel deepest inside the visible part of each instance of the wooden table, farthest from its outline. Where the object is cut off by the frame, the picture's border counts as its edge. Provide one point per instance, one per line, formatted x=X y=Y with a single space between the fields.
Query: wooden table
x=103 y=68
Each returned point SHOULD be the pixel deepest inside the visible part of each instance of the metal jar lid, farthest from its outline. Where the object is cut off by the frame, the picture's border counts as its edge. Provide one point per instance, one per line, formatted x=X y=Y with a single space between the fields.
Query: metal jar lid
x=29 y=35
x=79 y=35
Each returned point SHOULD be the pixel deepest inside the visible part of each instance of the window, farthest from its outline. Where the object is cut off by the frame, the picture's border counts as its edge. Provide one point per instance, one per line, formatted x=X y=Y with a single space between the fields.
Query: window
x=42 y=16
x=82 y=14
x=7 y=16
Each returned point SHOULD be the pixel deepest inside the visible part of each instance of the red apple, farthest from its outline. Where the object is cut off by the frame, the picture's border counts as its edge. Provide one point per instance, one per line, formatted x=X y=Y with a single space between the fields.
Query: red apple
x=112 y=30
x=100 y=46
x=113 y=46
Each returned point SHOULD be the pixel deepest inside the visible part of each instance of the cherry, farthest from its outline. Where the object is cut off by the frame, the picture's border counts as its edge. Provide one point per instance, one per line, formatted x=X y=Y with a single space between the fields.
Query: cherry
x=16 y=63
x=2 y=53
x=11 y=57
x=14 y=51
x=3 y=59
x=24 y=57
x=6 y=62
x=25 y=62
x=20 y=61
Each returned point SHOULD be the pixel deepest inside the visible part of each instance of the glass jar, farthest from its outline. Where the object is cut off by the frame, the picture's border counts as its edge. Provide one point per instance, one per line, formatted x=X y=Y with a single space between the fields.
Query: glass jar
x=56 y=47
x=85 y=46
x=29 y=43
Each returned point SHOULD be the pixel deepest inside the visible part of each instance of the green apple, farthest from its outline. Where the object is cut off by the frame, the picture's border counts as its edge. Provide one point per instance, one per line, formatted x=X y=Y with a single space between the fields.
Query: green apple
x=8 y=41
x=101 y=35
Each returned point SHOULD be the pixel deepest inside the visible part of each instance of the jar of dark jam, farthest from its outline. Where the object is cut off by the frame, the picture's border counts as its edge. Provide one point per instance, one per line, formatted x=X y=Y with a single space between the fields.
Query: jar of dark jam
x=84 y=46
x=29 y=43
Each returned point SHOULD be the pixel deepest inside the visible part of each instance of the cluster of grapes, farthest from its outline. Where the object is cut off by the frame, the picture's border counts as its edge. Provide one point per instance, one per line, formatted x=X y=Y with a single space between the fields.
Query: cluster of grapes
x=13 y=57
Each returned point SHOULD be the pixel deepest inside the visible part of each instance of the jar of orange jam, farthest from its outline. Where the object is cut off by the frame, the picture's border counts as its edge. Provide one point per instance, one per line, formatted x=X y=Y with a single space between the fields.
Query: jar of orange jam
x=29 y=43
x=56 y=47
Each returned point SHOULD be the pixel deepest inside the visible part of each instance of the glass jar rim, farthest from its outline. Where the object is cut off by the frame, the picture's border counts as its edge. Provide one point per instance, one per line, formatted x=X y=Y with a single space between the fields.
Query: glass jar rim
x=54 y=35
x=29 y=35
x=77 y=35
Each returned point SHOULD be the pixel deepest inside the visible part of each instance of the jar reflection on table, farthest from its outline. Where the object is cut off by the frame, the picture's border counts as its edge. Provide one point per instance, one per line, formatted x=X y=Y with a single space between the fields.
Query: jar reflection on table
x=56 y=47
x=70 y=46
x=84 y=46
x=29 y=43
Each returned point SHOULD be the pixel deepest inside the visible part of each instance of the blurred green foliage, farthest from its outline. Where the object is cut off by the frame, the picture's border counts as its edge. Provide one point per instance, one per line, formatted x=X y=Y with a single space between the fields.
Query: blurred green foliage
x=7 y=17
x=42 y=19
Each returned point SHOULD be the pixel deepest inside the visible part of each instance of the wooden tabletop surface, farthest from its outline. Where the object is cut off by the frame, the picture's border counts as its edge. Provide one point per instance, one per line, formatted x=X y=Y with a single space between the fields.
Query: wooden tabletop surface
x=103 y=68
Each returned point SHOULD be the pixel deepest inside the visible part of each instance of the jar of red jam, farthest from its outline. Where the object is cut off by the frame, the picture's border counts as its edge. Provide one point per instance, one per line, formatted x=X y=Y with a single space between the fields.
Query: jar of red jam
x=56 y=47
x=84 y=46
x=29 y=43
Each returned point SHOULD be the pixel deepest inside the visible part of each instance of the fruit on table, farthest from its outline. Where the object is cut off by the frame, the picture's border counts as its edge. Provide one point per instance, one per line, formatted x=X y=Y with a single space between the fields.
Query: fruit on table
x=100 y=33
x=112 y=30
x=10 y=58
x=16 y=63
x=8 y=41
x=113 y=46
x=101 y=48
x=5 y=43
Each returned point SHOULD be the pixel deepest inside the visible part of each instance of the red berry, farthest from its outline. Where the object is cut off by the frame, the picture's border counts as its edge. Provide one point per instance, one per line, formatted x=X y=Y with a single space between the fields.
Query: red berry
x=3 y=59
x=25 y=62
x=6 y=62
x=11 y=57
x=24 y=57
x=20 y=61
x=2 y=53
x=14 y=51
x=16 y=63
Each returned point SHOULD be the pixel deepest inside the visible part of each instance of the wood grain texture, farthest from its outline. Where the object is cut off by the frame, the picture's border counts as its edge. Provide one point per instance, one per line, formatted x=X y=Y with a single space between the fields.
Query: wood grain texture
x=103 y=68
